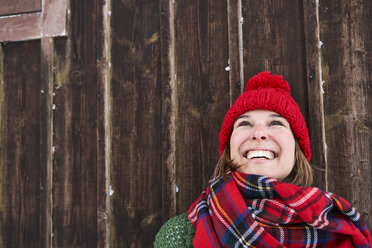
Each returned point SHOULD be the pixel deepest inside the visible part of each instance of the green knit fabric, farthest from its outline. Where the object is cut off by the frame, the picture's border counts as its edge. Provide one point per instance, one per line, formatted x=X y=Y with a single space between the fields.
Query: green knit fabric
x=176 y=232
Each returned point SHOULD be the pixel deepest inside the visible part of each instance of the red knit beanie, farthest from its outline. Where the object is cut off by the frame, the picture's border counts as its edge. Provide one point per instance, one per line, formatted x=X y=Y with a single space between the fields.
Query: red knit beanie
x=268 y=92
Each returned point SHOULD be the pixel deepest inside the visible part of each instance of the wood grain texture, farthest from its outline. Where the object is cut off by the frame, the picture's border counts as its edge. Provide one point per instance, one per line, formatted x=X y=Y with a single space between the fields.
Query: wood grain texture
x=2 y=133
x=11 y=7
x=21 y=149
x=168 y=109
x=203 y=93
x=235 y=52
x=136 y=172
x=315 y=99
x=104 y=75
x=20 y=27
x=46 y=140
x=273 y=40
x=49 y=22
x=130 y=137
x=77 y=124
x=345 y=31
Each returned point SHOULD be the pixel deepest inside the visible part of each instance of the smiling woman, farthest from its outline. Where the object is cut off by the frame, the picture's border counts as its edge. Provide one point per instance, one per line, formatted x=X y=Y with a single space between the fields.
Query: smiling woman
x=260 y=195
x=262 y=143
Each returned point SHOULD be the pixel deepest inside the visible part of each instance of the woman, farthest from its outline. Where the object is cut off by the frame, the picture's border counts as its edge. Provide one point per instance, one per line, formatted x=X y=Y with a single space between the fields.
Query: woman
x=260 y=195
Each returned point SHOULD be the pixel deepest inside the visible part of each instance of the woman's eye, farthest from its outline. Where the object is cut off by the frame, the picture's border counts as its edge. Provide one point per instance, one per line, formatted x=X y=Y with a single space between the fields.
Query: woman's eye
x=244 y=123
x=274 y=123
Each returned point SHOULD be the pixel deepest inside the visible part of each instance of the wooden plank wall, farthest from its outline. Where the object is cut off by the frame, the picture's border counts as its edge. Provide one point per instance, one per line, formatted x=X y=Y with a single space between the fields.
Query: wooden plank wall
x=107 y=133
x=345 y=30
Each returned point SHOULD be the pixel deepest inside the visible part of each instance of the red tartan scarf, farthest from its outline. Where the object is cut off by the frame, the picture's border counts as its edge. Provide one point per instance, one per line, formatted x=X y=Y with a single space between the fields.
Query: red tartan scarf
x=257 y=211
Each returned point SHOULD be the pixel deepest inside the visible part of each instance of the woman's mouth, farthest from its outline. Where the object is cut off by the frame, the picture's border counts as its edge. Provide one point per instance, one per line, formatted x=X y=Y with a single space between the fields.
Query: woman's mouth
x=263 y=154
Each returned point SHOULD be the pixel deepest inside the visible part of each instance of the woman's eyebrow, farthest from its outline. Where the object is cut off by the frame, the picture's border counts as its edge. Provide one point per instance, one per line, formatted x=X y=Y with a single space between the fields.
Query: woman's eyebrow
x=242 y=116
x=248 y=116
x=276 y=115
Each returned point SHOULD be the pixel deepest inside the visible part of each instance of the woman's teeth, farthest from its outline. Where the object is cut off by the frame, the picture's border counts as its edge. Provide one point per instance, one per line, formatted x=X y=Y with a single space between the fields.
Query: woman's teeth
x=260 y=154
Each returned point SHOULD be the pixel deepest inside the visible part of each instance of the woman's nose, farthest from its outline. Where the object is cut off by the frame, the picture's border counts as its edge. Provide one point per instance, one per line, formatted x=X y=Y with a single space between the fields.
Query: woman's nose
x=259 y=133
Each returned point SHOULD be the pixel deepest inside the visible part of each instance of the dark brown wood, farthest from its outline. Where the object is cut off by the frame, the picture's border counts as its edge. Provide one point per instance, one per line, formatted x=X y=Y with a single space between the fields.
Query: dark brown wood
x=103 y=121
x=168 y=78
x=50 y=22
x=345 y=31
x=273 y=40
x=46 y=141
x=21 y=150
x=10 y=7
x=78 y=131
x=202 y=93
x=235 y=53
x=136 y=170
x=2 y=124
x=367 y=209
x=130 y=138
x=315 y=99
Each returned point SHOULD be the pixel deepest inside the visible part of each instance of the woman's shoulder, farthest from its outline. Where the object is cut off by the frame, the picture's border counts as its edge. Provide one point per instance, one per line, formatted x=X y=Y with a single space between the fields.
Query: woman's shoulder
x=176 y=232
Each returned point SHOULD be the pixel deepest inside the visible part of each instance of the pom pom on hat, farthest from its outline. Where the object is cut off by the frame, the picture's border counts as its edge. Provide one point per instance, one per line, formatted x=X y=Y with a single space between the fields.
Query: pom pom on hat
x=266 y=80
x=268 y=92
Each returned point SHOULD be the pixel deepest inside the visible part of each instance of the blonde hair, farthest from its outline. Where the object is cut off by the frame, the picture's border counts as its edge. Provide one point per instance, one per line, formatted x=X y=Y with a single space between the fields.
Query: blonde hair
x=301 y=174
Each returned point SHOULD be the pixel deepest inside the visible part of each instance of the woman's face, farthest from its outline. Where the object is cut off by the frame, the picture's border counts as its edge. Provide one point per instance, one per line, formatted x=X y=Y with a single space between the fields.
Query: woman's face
x=262 y=143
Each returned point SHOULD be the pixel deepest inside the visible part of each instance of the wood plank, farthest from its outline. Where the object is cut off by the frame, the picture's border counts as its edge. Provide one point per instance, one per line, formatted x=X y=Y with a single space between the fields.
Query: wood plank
x=104 y=76
x=78 y=133
x=2 y=124
x=168 y=110
x=136 y=172
x=345 y=31
x=11 y=7
x=202 y=93
x=21 y=149
x=315 y=98
x=50 y=22
x=235 y=67
x=46 y=141
x=273 y=40
x=20 y=27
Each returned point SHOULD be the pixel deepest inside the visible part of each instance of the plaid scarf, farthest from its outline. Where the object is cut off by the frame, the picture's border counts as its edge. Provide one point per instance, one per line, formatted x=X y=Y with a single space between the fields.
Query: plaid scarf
x=257 y=211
